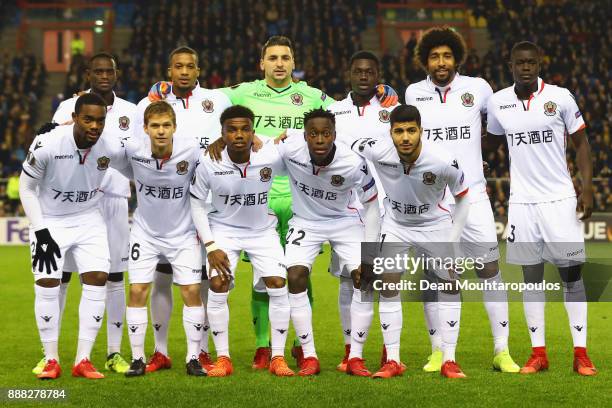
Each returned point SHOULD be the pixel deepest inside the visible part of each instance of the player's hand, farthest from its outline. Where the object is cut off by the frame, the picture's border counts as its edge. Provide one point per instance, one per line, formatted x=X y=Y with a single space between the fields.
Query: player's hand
x=386 y=95
x=485 y=168
x=585 y=203
x=159 y=91
x=281 y=137
x=215 y=148
x=257 y=144
x=45 y=251
x=218 y=261
x=46 y=128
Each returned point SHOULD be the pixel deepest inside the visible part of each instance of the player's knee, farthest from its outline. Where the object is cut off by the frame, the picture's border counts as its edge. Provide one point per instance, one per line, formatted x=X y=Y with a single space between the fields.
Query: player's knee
x=138 y=295
x=217 y=285
x=297 y=278
x=533 y=273
x=66 y=277
x=571 y=274
x=94 y=278
x=274 y=282
x=115 y=277
x=191 y=295
x=47 y=283
x=164 y=268
x=449 y=287
x=488 y=270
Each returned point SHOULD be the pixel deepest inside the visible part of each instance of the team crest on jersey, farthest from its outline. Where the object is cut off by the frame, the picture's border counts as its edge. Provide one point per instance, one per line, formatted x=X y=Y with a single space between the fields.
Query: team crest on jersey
x=208 y=105
x=384 y=116
x=103 y=163
x=429 y=178
x=297 y=99
x=337 y=180
x=124 y=123
x=467 y=100
x=550 y=108
x=182 y=167
x=265 y=174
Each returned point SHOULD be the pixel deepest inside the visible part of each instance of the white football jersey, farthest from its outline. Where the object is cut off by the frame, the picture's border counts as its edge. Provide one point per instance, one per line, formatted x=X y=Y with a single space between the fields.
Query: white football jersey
x=119 y=123
x=415 y=192
x=451 y=117
x=536 y=131
x=70 y=178
x=323 y=194
x=239 y=192
x=354 y=122
x=197 y=115
x=162 y=187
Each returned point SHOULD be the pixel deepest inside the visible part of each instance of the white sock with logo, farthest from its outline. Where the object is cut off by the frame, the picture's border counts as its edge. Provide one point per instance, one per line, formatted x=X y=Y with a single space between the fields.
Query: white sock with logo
x=115 y=310
x=391 y=317
x=218 y=316
x=279 y=314
x=46 y=308
x=345 y=299
x=192 y=323
x=137 y=319
x=161 y=310
x=91 y=313
x=496 y=305
x=301 y=316
x=534 y=302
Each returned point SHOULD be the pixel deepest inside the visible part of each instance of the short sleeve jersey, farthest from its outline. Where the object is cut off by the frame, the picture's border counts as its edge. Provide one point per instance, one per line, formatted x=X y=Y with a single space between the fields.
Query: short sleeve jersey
x=162 y=188
x=70 y=178
x=451 y=117
x=323 y=194
x=120 y=124
x=415 y=192
x=536 y=131
x=239 y=192
x=277 y=110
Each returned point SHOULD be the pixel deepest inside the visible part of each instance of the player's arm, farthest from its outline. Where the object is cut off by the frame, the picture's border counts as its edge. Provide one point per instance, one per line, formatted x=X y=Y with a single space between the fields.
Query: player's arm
x=33 y=171
x=364 y=147
x=584 y=161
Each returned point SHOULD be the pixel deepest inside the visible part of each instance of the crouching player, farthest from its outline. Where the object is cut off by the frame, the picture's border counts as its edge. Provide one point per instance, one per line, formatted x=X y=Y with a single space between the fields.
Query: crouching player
x=240 y=221
x=162 y=168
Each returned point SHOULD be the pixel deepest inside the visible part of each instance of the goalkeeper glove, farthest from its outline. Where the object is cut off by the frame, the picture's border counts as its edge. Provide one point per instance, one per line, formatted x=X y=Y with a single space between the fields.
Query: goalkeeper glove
x=386 y=95
x=159 y=91
x=45 y=252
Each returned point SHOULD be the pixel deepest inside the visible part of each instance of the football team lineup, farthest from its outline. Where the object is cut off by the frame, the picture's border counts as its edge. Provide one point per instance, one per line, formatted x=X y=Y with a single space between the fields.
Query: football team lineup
x=365 y=169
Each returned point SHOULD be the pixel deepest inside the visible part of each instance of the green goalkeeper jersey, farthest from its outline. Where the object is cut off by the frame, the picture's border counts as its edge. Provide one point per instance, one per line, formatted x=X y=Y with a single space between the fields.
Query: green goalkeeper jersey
x=276 y=110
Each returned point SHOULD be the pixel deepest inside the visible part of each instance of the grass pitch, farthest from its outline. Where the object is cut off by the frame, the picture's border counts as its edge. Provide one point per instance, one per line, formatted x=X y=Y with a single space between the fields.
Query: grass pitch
x=483 y=387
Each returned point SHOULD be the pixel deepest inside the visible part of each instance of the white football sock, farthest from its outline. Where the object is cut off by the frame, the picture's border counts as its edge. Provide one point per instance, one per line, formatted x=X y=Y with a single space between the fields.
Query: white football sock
x=432 y=319
x=137 y=319
x=46 y=308
x=362 y=312
x=345 y=298
x=496 y=305
x=449 y=312
x=533 y=305
x=91 y=313
x=161 y=310
x=576 y=308
x=279 y=314
x=63 y=290
x=391 y=317
x=301 y=316
x=204 y=286
x=192 y=322
x=115 y=310
x=218 y=316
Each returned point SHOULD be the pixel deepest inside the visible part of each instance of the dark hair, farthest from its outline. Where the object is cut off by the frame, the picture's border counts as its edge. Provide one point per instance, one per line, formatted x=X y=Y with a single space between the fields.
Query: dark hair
x=103 y=55
x=159 y=108
x=184 y=50
x=88 y=99
x=526 y=46
x=368 y=55
x=405 y=113
x=276 y=40
x=319 y=113
x=437 y=37
x=237 y=111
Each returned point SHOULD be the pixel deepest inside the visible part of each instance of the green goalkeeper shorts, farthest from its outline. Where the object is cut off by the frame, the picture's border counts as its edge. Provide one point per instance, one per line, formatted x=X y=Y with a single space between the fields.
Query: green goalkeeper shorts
x=281 y=205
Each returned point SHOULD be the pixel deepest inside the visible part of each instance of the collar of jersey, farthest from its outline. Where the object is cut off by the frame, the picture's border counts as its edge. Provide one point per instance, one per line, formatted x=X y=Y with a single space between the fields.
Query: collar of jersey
x=433 y=86
x=194 y=93
x=278 y=91
x=534 y=95
x=349 y=99
x=226 y=158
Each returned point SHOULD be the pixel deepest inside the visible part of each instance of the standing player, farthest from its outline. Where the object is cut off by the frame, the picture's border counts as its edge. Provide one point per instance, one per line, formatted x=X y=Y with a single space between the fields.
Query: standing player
x=358 y=115
x=451 y=107
x=162 y=169
x=536 y=119
x=102 y=75
x=323 y=176
x=197 y=116
x=415 y=176
x=240 y=221
x=60 y=191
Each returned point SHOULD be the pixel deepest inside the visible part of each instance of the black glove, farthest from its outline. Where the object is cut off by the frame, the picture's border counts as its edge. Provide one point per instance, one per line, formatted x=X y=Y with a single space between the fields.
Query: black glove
x=45 y=252
x=46 y=128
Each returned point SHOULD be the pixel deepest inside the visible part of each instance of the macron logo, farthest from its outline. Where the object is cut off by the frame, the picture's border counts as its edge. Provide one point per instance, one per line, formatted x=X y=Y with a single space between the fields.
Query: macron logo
x=502 y=107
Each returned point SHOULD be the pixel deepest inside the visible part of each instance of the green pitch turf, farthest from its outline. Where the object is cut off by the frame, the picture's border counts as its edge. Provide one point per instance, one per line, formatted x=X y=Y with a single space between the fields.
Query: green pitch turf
x=483 y=387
